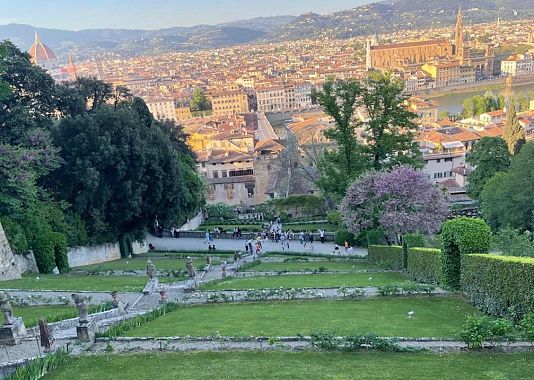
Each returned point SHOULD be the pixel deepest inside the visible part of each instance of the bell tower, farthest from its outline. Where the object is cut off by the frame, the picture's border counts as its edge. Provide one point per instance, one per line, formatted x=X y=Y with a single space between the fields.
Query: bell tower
x=459 y=37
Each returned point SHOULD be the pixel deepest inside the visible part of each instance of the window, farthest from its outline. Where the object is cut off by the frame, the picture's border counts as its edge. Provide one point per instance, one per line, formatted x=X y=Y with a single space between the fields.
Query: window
x=229 y=187
x=215 y=174
x=224 y=173
x=438 y=160
x=203 y=164
x=449 y=159
x=241 y=172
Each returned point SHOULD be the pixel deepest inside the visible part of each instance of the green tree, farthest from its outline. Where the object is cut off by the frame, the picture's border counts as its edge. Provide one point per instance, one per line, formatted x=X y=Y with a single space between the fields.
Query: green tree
x=513 y=133
x=501 y=102
x=479 y=106
x=506 y=199
x=341 y=165
x=468 y=108
x=390 y=129
x=489 y=156
x=199 y=102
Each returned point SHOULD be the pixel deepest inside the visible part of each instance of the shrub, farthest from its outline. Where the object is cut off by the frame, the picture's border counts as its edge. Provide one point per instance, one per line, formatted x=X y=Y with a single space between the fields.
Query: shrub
x=527 y=327
x=39 y=367
x=334 y=218
x=478 y=329
x=375 y=237
x=388 y=256
x=329 y=342
x=510 y=242
x=342 y=235
x=60 y=252
x=43 y=246
x=15 y=235
x=462 y=236
x=424 y=265
x=495 y=283
x=410 y=241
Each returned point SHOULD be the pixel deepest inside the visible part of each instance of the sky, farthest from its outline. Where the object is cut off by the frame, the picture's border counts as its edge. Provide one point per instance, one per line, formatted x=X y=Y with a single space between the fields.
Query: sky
x=154 y=14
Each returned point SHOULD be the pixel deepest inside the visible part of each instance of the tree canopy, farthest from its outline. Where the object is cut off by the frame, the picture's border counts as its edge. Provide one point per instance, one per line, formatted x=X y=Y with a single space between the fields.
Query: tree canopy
x=489 y=156
x=199 y=102
x=400 y=201
x=513 y=133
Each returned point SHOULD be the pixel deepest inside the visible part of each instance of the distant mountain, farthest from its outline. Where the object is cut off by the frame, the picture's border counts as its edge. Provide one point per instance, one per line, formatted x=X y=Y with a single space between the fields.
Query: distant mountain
x=262 y=24
x=387 y=16
x=378 y=17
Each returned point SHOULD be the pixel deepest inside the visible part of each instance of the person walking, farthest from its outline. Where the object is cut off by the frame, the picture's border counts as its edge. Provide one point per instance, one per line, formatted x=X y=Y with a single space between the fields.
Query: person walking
x=321 y=235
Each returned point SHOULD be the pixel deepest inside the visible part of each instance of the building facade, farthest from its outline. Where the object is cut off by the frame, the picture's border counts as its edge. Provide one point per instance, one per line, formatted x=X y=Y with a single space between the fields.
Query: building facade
x=162 y=109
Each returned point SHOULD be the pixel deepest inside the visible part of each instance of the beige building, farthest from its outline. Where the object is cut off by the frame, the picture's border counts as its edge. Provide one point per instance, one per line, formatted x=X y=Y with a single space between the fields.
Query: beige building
x=162 y=109
x=286 y=97
x=183 y=113
x=517 y=64
x=229 y=102
x=450 y=73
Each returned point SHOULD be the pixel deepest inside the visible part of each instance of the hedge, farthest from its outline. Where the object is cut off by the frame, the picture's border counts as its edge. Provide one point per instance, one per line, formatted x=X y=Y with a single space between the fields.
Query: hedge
x=343 y=235
x=462 y=236
x=410 y=241
x=424 y=265
x=388 y=256
x=494 y=284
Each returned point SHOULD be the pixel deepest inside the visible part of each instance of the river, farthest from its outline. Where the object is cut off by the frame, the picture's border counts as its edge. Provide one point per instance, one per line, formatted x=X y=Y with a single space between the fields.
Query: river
x=453 y=102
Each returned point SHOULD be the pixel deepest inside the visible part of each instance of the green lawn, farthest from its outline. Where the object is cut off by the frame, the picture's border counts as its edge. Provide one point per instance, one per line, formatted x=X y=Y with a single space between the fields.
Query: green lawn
x=84 y=283
x=310 y=266
x=308 y=281
x=161 y=263
x=298 y=365
x=434 y=317
x=201 y=255
x=32 y=314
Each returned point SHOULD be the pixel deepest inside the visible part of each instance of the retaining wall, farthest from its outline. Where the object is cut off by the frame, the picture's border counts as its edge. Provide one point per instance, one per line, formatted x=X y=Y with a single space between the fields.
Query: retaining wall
x=80 y=256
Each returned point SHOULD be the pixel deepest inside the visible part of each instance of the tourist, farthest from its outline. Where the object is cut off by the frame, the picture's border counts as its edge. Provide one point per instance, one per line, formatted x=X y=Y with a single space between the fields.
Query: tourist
x=207 y=237
x=346 y=246
x=321 y=235
x=301 y=237
x=336 y=249
x=350 y=250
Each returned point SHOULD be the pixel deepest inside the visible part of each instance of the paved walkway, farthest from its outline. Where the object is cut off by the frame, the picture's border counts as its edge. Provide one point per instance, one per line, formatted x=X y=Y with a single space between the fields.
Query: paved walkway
x=192 y=244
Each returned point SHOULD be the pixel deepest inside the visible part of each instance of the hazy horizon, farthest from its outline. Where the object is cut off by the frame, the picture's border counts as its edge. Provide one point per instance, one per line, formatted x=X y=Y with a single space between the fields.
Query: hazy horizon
x=158 y=14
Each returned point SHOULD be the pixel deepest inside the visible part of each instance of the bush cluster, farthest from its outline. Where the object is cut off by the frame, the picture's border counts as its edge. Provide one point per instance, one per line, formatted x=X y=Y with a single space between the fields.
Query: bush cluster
x=462 y=236
x=480 y=329
x=424 y=265
x=343 y=235
x=387 y=256
x=494 y=283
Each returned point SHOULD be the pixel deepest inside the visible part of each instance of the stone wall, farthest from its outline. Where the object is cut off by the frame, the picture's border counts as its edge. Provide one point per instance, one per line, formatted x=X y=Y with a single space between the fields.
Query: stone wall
x=80 y=256
x=193 y=223
x=8 y=266
x=26 y=262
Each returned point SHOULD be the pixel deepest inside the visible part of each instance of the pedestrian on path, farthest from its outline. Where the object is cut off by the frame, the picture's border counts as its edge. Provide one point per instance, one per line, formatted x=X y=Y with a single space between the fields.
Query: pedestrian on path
x=321 y=235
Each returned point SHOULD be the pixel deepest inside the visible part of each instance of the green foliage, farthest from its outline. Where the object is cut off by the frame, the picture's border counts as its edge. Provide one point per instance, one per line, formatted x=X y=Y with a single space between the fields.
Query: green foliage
x=15 y=235
x=267 y=208
x=512 y=243
x=343 y=235
x=507 y=197
x=375 y=236
x=462 y=236
x=480 y=329
x=199 y=102
x=527 y=327
x=387 y=256
x=495 y=283
x=247 y=266
x=513 y=133
x=307 y=204
x=60 y=252
x=329 y=342
x=39 y=367
x=490 y=155
x=409 y=241
x=44 y=251
x=334 y=218
x=220 y=211
x=425 y=265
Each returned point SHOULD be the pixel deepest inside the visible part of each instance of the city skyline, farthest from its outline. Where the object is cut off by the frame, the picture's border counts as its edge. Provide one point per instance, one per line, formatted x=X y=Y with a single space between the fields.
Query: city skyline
x=141 y=14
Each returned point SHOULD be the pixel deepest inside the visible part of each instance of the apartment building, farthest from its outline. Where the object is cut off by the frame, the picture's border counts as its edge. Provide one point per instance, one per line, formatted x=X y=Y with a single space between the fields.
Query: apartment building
x=517 y=64
x=450 y=73
x=229 y=102
x=286 y=97
x=162 y=109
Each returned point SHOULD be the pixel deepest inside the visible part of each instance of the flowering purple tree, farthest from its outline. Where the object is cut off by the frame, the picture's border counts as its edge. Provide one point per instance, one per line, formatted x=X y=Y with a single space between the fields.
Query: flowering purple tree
x=400 y=201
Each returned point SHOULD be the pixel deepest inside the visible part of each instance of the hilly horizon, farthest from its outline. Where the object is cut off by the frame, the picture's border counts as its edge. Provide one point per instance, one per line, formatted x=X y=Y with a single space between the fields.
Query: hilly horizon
x=378 y=17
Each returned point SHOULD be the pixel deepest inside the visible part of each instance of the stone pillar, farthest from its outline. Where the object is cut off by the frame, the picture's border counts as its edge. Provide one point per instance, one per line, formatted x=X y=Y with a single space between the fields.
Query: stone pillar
x=8 y=266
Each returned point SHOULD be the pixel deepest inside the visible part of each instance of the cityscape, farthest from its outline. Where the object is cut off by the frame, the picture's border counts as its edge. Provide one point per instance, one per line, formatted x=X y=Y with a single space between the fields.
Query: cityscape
x=289 y=194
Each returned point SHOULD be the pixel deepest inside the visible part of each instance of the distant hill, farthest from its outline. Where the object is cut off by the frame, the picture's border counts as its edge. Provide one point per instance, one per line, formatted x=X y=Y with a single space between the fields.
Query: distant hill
x=378 y=17
x=386 y=16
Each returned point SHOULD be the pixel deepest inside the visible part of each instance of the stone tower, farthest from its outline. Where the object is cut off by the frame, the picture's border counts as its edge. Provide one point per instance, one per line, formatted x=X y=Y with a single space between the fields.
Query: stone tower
x=459 y=37
x=8 y=266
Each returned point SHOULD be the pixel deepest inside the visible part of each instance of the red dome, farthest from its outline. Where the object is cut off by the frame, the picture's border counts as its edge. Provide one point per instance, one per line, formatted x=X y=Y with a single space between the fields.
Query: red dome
x=40 y=53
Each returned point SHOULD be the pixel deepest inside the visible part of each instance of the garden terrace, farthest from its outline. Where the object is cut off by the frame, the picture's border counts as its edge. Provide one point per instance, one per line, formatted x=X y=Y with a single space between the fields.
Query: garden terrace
x=52 y=313
x=165 y=263
x=93 y=283
x=306 y=281
x=385 y=316
x=311 y=266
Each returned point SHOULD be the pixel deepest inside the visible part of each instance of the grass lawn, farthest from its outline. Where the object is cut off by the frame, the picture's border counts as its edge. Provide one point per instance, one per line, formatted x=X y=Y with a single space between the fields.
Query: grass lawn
x=434 y=317
x=32 y=314
x=161 y=263
x=87 y=283
x=305 y=266
x=178 y=254
x=298 y=365
x=308 y=281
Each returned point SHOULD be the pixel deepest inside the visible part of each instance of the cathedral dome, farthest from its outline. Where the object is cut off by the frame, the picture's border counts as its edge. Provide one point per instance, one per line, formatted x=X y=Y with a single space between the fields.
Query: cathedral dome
x=40 y=53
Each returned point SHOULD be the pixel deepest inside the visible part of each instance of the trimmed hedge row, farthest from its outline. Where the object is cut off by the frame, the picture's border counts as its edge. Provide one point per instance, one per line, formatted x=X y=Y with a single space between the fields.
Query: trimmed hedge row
x=425 y=265
x=388 y=256
x=494 y=284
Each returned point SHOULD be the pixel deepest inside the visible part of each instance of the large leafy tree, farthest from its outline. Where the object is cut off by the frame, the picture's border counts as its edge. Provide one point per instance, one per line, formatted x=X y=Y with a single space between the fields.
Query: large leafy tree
x=122 y=170
x=341 y=165
x=199 y=102
x=507 y=197
x=513 y=133
x=398 y=202
x=489 y=156
x=388 y=130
